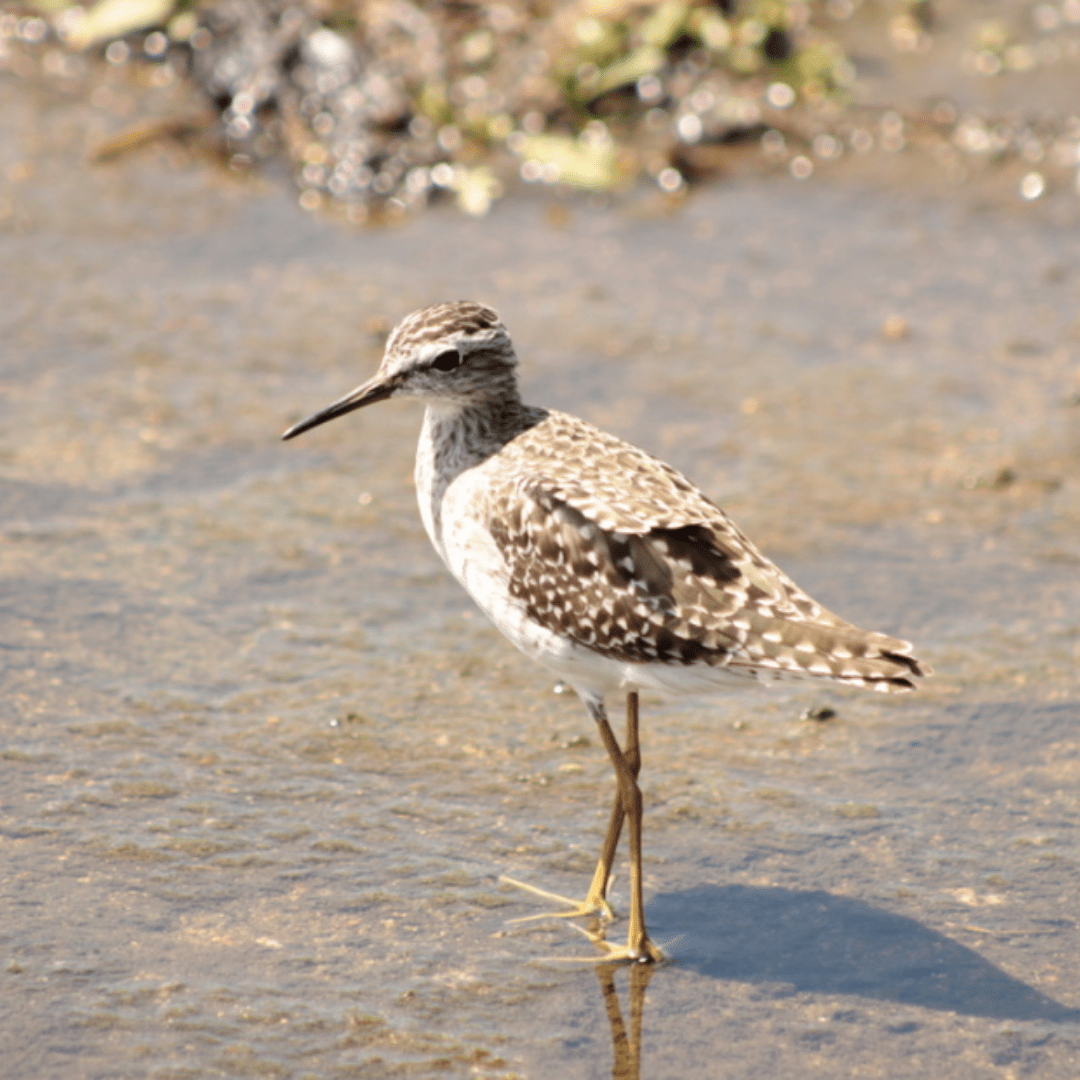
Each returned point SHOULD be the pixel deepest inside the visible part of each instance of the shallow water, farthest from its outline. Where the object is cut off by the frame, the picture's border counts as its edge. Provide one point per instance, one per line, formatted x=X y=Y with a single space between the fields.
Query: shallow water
x=263 y=764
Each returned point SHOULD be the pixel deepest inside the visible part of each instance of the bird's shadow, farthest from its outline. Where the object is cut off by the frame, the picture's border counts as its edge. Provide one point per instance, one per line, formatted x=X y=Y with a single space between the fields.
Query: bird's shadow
x=817 y=942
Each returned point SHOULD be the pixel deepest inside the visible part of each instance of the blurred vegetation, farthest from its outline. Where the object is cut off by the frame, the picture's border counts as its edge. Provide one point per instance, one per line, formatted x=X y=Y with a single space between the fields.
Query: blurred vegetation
x=381 y=105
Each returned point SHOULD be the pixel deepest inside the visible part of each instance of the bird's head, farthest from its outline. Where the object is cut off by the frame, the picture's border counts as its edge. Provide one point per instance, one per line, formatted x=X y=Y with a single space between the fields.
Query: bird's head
x=449 y=355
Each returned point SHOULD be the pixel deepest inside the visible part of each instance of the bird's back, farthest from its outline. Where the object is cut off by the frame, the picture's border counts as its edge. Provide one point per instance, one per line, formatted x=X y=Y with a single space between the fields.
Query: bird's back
x=607 y=546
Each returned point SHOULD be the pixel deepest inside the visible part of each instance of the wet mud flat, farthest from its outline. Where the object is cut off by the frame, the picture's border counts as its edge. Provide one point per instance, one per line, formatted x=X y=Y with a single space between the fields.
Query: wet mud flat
x=263 y=764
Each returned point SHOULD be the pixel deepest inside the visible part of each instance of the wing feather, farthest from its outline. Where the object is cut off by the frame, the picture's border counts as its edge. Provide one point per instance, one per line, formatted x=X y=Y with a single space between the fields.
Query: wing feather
x=622 y=554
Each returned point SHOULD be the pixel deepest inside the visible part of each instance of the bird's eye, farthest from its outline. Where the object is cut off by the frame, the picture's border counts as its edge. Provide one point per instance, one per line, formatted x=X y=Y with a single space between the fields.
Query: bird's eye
x=447 y=361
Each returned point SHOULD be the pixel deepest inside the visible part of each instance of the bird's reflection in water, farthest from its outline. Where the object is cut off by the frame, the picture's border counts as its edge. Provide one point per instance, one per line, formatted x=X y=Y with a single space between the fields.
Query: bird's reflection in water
x=625 y=1043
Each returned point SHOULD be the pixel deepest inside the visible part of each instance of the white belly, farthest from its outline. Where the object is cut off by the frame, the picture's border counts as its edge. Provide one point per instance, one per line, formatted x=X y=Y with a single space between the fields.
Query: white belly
x=454 y=515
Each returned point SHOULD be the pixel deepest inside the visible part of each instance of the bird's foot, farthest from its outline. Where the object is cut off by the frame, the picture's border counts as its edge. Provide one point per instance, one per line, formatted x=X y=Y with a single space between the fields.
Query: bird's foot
x=642 y=951
x=592 y=904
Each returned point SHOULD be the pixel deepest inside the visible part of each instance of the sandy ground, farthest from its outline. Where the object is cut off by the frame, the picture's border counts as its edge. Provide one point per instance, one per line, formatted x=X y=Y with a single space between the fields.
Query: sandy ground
x=263 y=764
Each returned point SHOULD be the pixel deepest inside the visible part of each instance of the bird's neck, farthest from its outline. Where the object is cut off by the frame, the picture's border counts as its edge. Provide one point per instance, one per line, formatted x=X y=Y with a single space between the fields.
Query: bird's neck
x=463 y=435
x=457 y=438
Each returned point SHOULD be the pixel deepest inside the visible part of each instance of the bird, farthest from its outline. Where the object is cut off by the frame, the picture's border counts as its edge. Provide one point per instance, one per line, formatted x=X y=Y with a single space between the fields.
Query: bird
x=599 y=561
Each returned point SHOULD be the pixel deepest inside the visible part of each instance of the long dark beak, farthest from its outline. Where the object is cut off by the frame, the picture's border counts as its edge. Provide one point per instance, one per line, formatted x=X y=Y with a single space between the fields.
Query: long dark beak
x=378 y=388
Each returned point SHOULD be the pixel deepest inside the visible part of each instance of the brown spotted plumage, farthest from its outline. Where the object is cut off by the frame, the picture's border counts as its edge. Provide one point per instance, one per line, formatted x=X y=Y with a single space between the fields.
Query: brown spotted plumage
x=596 y=559
x=620 y=553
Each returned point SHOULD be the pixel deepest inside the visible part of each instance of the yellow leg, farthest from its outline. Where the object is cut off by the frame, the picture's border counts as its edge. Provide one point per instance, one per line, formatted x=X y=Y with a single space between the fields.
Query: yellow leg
x=638 y=946
x=632 y=753
x=596 y=902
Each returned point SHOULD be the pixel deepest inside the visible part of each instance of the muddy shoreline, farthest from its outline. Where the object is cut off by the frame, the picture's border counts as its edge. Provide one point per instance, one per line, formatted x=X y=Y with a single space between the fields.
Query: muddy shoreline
x=263 y=763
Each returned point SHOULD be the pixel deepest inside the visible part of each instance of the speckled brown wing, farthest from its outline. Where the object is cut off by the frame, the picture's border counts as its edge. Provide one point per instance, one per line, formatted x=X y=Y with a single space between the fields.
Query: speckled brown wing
x=618 y=567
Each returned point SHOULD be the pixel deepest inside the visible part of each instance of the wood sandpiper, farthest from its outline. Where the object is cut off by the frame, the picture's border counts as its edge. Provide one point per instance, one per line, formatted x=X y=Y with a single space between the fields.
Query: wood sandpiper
x=597 y=560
